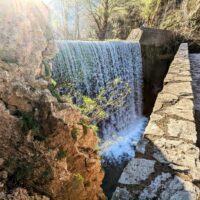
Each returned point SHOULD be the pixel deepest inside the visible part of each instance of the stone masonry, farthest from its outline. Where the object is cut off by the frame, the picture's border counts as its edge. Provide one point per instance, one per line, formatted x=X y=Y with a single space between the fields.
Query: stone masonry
x=166 y=165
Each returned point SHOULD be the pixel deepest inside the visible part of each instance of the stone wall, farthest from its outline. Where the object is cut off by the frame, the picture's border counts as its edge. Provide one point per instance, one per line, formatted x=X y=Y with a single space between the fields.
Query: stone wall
x=167 y=164
x=158 y=49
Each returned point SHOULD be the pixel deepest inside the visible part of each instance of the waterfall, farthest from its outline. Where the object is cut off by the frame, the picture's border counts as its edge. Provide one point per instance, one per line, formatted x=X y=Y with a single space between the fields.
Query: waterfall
x=91 y=66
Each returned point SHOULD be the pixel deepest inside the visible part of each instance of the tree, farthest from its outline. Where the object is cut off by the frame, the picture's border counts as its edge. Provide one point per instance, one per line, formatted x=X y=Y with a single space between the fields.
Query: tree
x=64 y=5
x=101 y=13
x=110 y=15
x=77 y=20
x=126 y=17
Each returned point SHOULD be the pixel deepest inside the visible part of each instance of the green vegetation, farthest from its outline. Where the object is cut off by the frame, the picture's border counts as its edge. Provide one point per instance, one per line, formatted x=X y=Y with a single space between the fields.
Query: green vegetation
x=54 y=92
x=96 y=109
x=78 y=180
x=85 y=127
x=112 y=97
x=47 y=175
x=149 y=7
x=94 y=128
x=23 y=172
x=91 y=109
x=114 y=19
x=47 y=72
x=53 y=86
x=105 y=19
x=29 y=123
x=97 y=149
x=61 y=154
x=75 y=133
x=10 y=163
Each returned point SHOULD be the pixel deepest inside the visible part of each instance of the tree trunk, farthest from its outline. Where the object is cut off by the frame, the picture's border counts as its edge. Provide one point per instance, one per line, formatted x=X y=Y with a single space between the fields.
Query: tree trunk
x=64 y=19
x=104 y=27
x=77 y=21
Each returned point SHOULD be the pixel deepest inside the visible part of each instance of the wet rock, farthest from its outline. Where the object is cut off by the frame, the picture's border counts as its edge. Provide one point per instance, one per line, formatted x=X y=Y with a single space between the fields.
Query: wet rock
x=157 y=155
x=177 y=188
x=172 y=188
x=137 y=171
x=141 y=146
x=151 y=191
x=121 y=194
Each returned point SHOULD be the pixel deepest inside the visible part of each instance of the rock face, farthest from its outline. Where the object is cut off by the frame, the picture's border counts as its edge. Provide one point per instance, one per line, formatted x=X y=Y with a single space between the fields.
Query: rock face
x=47 y=149
x=158 y=50
x=169 y=143
x=24 y=32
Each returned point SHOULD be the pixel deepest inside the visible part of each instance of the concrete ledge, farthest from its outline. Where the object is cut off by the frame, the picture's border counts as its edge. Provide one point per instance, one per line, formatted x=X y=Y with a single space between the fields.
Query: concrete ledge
x=152 y=36
x=169 y=141
x=158 y=50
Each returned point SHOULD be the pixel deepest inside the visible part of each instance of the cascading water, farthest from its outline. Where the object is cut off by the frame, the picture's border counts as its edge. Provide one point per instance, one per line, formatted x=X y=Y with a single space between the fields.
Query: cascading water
x=91 y=66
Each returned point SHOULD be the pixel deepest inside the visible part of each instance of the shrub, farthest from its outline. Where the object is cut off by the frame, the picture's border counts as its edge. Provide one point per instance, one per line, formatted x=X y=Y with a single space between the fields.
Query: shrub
x=47 y=175
x=23 y=172
x=54 y=92
x=78 y=179
x=85 y=127
x=47 y=72
x=29 y=123
x=9 y=163
x=94 y=128
x=40 y=137
x=61 y=154
x=75 y=133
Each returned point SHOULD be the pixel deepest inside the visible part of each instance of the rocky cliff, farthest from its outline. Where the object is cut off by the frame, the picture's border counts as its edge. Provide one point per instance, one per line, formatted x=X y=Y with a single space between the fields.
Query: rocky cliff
x=47 y=149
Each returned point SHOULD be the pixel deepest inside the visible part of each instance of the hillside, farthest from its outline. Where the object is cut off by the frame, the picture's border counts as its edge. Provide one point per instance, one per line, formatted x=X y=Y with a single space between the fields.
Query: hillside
x=181 y=16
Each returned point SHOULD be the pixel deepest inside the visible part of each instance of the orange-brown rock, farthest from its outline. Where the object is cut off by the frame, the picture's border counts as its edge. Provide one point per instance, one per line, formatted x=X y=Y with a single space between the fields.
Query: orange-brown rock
x=47 y=150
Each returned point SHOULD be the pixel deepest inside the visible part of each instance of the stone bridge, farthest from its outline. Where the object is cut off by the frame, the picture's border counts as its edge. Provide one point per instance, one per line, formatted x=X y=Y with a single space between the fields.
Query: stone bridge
x=167 y=164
